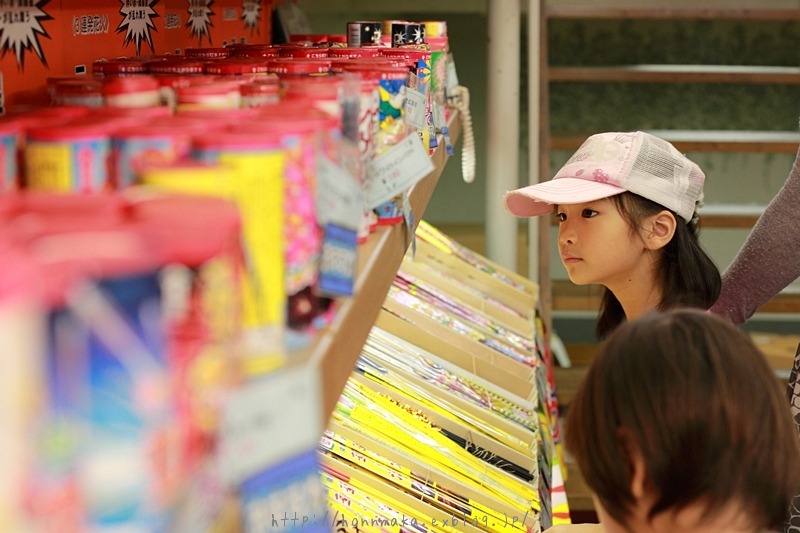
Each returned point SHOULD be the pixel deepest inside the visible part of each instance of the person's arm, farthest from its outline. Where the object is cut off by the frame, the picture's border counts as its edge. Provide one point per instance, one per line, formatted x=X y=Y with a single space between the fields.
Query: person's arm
x=769 y=259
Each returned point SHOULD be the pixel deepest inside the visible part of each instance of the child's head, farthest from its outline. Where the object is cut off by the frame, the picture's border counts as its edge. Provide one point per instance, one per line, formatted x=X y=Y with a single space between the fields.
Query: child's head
x=611 y=163
x=686 y=274
x=647 y=181
x=680 y=412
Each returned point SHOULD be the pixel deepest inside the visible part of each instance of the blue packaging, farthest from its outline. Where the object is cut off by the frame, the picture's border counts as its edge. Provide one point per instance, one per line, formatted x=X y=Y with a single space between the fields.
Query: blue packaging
x=106 y=439
x=286 y=497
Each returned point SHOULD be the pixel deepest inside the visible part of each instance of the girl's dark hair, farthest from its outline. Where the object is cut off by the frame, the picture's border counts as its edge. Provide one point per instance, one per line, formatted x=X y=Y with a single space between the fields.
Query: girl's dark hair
x=688 y=276
x=693 y=396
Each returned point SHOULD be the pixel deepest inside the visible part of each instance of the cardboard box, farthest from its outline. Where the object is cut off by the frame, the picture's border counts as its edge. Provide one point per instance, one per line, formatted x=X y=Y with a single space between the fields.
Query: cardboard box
x=526 y=460
x=466 y=354
x=471 y=297
x=522 y=301
x=433 y=475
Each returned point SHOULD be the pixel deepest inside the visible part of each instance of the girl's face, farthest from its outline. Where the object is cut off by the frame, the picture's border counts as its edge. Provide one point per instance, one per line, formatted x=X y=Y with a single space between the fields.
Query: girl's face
x=597 y=246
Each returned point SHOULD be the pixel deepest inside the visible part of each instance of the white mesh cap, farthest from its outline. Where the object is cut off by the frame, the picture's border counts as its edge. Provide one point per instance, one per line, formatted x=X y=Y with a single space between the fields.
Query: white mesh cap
x=610 y=163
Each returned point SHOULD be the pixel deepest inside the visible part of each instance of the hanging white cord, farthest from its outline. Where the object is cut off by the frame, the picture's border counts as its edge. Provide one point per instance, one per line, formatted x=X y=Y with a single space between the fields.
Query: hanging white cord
x=460 y=101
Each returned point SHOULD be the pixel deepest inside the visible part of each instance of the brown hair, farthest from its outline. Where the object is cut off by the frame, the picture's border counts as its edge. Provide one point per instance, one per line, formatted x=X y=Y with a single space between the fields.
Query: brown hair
x=688 y=276
x=695 y=396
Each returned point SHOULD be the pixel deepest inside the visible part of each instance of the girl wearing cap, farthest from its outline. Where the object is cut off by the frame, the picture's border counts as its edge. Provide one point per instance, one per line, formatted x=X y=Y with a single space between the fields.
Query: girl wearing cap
x=694 y=437
x=626 y=204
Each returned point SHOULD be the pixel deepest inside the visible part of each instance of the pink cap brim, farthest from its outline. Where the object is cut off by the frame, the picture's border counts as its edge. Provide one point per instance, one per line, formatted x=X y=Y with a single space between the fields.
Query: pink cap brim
x=539 y=199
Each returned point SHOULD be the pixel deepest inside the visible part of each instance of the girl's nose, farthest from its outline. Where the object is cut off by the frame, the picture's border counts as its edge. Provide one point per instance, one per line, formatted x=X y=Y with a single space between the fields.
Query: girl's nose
x=565 y=234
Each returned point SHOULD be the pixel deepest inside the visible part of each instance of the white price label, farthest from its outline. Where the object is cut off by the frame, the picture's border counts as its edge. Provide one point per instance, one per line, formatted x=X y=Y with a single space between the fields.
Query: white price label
x=340 y=198
x=452 y=77
x=439 y=120
x=416 y=105
x=268 y=421
x=397 y=170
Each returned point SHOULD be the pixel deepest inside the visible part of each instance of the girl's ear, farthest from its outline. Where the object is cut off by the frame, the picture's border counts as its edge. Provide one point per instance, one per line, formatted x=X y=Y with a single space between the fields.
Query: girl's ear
x=659 y=230
x=636 y=464
x=639 y=482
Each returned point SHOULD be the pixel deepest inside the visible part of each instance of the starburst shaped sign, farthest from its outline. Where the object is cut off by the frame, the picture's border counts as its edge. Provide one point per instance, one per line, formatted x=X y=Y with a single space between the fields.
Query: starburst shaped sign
x=200 y=18
x=21 y=27
x=251 y=14
x=137 y=22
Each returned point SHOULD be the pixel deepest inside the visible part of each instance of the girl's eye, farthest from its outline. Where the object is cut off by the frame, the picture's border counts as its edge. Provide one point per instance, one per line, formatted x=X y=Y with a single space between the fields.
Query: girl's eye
x=561 y=217
x=588 y=213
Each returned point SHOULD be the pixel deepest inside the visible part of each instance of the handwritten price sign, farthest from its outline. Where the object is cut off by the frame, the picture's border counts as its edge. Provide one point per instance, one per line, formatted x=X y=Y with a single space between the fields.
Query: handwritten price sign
x=397 y=170
x=269 y=420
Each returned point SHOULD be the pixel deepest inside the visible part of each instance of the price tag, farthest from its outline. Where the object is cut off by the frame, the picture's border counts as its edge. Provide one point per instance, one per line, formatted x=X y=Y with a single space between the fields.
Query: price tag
x=408 y=216
x=397 y=170
x=452 y=77
x=268 y=421
x=439 y=120
x=340 y=198
x=337 y=263
x=415 y=108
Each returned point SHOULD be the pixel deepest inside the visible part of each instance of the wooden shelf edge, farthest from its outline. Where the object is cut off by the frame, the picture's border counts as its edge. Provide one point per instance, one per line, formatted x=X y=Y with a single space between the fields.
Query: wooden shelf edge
x=727 y=221
x=554 y=10
x=749 y=74
x=336 y=349
x=570 y=297
x=704 y=140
